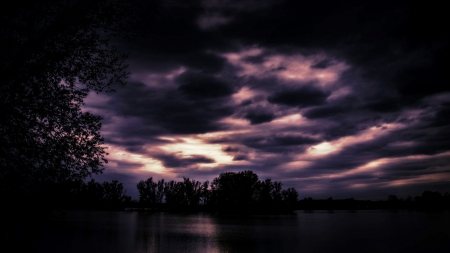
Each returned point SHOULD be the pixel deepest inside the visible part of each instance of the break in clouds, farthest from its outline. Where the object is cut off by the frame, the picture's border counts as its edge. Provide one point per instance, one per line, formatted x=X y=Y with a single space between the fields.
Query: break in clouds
x=341 y=100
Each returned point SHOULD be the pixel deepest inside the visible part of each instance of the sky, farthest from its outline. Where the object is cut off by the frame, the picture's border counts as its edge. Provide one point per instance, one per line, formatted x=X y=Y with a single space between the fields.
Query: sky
x=334 y=98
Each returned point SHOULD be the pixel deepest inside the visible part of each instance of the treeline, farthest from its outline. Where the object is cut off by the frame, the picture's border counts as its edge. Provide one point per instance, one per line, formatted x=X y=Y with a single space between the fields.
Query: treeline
x=231 y=192
x=429 y=200
x=81 y=195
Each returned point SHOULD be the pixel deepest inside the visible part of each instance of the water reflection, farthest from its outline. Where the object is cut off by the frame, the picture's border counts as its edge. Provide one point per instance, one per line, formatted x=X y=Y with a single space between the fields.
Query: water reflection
x=161 y=232
x=319 y=231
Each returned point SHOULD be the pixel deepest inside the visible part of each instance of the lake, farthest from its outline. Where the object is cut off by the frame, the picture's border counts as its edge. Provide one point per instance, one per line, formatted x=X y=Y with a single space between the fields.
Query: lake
x=317 y=231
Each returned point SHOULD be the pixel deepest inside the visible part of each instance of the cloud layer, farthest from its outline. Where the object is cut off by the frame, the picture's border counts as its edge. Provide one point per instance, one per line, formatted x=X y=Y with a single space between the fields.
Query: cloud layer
x=335 y=99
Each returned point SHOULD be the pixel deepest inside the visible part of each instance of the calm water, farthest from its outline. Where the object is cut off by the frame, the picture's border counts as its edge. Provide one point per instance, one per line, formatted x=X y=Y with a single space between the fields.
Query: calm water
x=319 y=231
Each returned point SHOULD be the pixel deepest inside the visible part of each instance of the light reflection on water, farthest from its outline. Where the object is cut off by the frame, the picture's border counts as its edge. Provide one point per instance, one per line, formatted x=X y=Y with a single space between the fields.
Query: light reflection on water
x=320 y=231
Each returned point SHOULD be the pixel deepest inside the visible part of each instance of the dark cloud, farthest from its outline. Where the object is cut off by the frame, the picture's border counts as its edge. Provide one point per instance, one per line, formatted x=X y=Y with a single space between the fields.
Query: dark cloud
x=357 y=178
x=255 y=59
x=135 y=141
x=198 y=86
x=240 y=157
x=325 y=111
x=384 y=105
x=204 y=62
x=125 y=165
x=293 y=140
x=323 y=64
x=330 y=130
x=424 y=78
x=396 y=144
x=276 y=143
x=168 y=111
x=397 y=74
x=390 y=41
x=231 y=149
x=281 y=68
x=442 y=116
x=259 y=117
x=168 y=37
x=246 y=102
x=175 y=161
x=301 y=97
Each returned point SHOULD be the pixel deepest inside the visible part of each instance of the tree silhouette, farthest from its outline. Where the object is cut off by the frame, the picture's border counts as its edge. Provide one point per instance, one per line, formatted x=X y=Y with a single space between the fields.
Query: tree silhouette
x=205 y=193
x=290 y=196
x=114 y=194
x=174 y=192
x=276 y=192
x=147 y=191
x=393 y=198
x=159 y=192
x=150 y=193
x=92 y=194
x=268 y=190
x=53 y=54
x=231 y=189
x=193 y=191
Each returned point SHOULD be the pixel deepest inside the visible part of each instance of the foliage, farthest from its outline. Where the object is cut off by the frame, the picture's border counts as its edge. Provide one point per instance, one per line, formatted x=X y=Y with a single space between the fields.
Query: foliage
x=232 y=188
x=150 y=193
x=188 y=193
x=191 y=195
x=290 y=196
x=114 y=194
x=235 y=191
x=53 y=54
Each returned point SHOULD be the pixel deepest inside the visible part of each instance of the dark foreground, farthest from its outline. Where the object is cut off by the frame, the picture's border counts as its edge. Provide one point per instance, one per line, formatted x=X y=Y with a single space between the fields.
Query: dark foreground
x=307 y=231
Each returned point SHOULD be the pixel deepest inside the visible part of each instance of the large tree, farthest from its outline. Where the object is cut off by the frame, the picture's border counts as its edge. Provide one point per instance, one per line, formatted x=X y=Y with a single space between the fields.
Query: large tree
x=233 y=189
x=53 y=53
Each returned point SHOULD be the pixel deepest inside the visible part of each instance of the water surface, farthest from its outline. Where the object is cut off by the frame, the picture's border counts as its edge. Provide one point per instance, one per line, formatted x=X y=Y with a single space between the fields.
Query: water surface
x=319 y=231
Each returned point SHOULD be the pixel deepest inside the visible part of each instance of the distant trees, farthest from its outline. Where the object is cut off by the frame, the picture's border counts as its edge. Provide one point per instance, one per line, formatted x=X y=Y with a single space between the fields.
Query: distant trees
x=392 y=198
x=428 y=200
x=265 y=191
x=150 y=193
x=243 y=189
x=84 y=195
x=290 y=196
x=193 y=191
x=235 y=189
x=231 y=191
x=113 y=194
x=188 y=193
x=174 y=193
x=91 y=194
x=432 y=200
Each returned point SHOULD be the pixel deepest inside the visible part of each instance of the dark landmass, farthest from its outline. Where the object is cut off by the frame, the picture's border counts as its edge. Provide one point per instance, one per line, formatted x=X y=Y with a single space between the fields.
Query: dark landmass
x=428 y=201
x=230 y=193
